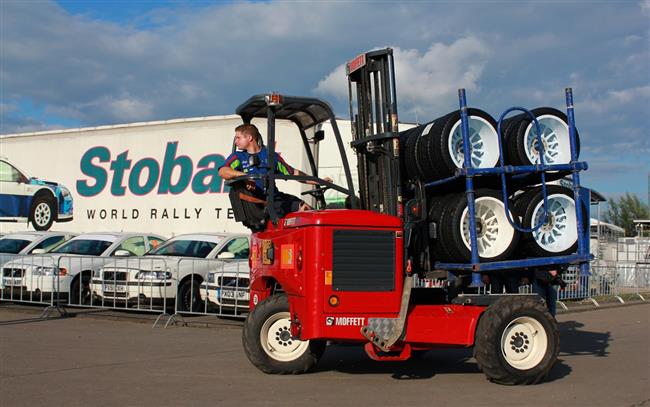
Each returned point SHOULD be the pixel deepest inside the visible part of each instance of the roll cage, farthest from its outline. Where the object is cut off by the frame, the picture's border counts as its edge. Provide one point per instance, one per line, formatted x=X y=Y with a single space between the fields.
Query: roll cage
x=306 y=113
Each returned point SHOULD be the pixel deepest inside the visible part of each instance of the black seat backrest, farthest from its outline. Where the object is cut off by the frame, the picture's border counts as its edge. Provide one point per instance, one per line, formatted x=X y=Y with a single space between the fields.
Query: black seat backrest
x=252 y=215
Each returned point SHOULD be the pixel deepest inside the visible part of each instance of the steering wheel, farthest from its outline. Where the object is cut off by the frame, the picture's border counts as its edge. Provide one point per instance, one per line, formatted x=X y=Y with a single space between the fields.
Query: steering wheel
x=318 y=192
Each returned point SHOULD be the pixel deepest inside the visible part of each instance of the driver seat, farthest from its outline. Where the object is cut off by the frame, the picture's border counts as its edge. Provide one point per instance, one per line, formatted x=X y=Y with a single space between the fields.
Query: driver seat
x=247 y=207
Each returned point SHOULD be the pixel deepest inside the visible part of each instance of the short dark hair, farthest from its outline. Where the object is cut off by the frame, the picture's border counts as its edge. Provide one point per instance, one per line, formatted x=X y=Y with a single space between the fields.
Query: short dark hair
x=250 y=130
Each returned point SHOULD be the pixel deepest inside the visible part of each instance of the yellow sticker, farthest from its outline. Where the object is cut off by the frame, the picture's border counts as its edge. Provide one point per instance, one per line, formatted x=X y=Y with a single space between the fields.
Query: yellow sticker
x=328 y=277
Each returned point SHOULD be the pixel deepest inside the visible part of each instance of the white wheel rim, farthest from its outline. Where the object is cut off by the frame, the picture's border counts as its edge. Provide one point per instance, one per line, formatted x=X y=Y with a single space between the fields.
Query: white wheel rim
x=494 y=232
x=42 y=214
x=524 y=343
x=276 y=341
x=555 y=138
x=558 y=233
x=484 y=147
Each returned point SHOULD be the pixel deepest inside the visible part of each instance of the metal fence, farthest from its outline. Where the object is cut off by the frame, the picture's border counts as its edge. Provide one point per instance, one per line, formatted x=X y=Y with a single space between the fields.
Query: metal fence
x=169 y=287
x=172 y=287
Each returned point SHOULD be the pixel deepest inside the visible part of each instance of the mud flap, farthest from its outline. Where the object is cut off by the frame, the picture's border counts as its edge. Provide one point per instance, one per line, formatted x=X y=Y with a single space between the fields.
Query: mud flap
x=385 y=332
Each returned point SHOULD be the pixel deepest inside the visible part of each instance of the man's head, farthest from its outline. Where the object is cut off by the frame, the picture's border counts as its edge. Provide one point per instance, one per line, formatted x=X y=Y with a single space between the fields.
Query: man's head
x=247 y=137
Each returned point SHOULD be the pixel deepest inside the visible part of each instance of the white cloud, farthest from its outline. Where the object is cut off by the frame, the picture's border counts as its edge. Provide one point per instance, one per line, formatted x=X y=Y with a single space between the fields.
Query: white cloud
x=427 y=81
x=615 y=100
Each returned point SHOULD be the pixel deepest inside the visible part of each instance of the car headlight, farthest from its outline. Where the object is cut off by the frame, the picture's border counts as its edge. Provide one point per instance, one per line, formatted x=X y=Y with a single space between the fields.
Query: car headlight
x=153 y=275
x=97 y=274
x=211 y=278
x=64 y=191
x=49 y=271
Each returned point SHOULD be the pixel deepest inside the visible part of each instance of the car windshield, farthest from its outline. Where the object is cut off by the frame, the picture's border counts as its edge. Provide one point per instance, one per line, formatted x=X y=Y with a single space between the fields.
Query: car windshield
x=184 y=248
x=13 y=246
x=85 y=247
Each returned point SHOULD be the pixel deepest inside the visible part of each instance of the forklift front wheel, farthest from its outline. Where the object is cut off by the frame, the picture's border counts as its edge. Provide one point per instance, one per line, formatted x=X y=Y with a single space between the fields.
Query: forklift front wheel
x=268 y=343
x=517 y=341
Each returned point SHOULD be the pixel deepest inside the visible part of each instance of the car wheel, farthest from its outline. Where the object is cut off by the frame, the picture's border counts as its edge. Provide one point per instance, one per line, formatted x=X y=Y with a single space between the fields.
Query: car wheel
x=268 y=343
x=517 y=341
x=42 y=213
x=80 y=293
x=189 y=298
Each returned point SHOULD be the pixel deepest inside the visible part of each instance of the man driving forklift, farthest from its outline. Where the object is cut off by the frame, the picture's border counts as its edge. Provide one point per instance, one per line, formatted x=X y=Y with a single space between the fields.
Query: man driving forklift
x=251 y=157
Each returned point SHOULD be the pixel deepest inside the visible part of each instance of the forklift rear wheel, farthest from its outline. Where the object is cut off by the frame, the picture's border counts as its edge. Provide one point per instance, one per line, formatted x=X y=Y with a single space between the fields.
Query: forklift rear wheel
x=268 y=343
x=517 y=341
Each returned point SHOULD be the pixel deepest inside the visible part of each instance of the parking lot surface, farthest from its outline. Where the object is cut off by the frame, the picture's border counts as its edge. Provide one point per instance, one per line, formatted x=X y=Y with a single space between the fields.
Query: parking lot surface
x=604 y=361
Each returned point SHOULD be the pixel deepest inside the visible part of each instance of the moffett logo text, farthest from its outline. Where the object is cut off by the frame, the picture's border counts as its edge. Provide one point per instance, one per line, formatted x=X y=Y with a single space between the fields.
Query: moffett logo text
x=345 y=321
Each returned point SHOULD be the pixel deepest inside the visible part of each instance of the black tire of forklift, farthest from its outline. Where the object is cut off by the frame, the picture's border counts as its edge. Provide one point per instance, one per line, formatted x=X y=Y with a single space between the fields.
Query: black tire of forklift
x=252 y=341
x=488 y=342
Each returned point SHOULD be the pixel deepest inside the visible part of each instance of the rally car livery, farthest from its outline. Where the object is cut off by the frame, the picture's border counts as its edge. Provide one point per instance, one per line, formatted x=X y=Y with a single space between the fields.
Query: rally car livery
x=30 y=199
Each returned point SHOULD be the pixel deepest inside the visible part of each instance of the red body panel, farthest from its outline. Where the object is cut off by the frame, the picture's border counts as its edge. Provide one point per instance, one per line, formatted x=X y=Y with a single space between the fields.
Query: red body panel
x=302 y=261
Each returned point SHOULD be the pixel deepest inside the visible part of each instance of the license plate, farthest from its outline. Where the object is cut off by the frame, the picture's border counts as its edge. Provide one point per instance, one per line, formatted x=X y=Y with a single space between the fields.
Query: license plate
x=114 y=288
x=9 y=281
x=230 y=294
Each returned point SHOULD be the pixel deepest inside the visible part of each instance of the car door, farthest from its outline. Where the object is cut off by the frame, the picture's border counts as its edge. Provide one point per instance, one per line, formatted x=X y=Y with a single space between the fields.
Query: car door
x=15 y=193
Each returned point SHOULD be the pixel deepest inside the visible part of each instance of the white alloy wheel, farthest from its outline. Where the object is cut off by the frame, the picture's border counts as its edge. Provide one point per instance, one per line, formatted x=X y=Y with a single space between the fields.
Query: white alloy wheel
x=555 y=140
x=275 y=337
x=494 y=233
x=559 y=232
x=524 y=343
x=42 y=214
x=484 y=145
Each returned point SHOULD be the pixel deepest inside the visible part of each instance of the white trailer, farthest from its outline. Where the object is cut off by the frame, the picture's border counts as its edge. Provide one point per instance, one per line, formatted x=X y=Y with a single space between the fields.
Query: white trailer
x=160 y=177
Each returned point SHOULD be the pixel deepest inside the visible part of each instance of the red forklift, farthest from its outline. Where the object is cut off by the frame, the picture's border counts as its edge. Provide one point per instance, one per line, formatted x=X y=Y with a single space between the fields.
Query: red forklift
x=347 y=274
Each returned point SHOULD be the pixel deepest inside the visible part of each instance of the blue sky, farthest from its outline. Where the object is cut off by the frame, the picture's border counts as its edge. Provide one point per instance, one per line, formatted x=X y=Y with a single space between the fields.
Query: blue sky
x=82 y=63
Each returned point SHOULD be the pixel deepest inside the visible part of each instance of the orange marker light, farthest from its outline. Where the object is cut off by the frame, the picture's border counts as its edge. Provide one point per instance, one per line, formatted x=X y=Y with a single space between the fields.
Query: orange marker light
x=333 y=300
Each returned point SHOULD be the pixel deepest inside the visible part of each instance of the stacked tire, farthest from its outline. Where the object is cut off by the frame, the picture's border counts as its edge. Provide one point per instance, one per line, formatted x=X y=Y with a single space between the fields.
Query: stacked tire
x=520 y=141
x=557 y=235
x=434 y=151
x=496 y=238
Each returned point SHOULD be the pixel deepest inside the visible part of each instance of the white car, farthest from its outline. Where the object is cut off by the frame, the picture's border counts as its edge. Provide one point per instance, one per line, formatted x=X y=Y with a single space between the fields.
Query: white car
x=175 y=269
x=18 y=244
x=68 y=267
x=227 y=288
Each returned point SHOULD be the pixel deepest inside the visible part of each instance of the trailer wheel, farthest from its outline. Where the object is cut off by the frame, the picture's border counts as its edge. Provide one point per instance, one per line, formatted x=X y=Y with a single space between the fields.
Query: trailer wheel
x=517 y=341
x=558 y=235
x=268 y=343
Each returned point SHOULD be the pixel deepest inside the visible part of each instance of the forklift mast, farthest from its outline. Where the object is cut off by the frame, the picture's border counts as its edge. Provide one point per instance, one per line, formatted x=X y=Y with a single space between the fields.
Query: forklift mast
x=373 y=112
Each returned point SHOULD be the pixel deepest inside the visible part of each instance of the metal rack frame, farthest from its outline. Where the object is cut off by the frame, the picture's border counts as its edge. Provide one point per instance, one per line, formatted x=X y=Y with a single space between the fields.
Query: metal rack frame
x=580 y=195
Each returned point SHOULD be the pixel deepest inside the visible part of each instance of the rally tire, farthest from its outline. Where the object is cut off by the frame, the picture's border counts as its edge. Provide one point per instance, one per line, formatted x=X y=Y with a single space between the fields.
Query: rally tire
x=266 y=328
x=445 y=147
x=517 y=341
x=42 y=213
x=497 y=239
x=558 y=236
x=554 y=127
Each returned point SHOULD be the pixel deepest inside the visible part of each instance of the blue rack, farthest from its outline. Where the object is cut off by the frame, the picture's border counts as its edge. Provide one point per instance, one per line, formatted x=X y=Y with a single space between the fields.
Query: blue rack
x=580 y=195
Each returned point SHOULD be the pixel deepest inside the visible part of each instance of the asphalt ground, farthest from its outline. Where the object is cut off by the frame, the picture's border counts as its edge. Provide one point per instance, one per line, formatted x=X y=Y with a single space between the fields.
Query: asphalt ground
x=109 y=361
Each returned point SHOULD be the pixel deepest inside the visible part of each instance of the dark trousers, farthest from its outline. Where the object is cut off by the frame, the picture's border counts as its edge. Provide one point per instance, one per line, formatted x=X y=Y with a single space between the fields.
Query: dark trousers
x=548 y=293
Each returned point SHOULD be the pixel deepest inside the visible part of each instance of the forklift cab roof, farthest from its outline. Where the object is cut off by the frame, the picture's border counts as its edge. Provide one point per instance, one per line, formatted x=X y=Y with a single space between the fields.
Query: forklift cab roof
x=304 y=112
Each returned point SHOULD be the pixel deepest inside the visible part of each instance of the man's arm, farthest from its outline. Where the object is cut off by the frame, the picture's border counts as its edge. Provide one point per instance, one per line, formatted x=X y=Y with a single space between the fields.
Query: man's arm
x=229 y=173
x=297 y=172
